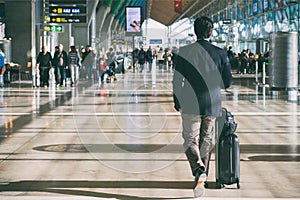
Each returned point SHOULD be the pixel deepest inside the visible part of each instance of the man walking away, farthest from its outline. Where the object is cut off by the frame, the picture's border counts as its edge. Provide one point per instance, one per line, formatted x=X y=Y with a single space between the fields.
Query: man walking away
x=87 y=61
x=201 y=70
x=73 y=59
x=149 y=58
x=142 y=59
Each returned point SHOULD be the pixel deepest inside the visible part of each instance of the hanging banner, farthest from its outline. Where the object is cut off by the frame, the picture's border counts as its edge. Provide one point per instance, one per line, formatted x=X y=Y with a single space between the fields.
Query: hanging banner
x=265 y=5
x=178 y=6
x=255 y=7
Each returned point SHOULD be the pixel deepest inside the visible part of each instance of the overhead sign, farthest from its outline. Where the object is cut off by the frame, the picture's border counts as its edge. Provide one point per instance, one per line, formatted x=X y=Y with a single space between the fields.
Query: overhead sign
x=67 y=19
x=226 y=21
x=67 y=2
x=67 y=10
x=57 y=29
x=265 y=5
x=155 y=41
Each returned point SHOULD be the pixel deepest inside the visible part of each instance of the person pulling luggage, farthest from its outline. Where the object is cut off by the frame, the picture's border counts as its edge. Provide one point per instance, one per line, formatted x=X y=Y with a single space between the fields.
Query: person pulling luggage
x=201 y=70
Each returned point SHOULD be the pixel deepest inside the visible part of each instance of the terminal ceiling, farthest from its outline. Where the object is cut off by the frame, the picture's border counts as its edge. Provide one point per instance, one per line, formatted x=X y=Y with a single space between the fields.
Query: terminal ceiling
x=162 y=11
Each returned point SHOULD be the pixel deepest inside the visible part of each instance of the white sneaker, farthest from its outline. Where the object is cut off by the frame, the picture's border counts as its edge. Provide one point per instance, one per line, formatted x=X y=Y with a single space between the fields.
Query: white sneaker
x=199 y=189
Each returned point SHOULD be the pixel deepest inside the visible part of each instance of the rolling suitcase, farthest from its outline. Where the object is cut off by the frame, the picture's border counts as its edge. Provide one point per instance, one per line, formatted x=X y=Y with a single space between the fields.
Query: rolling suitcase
x=227 y=152
x=7 y=77
x=82 y=73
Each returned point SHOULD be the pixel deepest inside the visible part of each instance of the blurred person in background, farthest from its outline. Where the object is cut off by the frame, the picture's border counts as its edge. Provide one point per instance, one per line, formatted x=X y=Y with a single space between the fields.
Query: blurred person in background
x=149 y=56
x=2 y=67
x=87 y=61
x=142 y=59
x=44 y=62
x=60 y=61
x=74 y=59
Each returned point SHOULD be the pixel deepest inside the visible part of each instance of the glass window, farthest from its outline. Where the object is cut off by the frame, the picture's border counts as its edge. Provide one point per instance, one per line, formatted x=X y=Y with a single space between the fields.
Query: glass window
x=222 y=15
x=256 y=27
x=233 y=11
x=272 y=4
x=260 y=6
x=293 y=13
x=229 y=13
x=242 y=27
x=241 y=11
x=215 y=18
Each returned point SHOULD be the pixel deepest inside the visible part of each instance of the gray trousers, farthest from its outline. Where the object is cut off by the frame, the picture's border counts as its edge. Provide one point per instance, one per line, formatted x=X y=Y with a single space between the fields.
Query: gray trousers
x=199 y=140
x=74 y=73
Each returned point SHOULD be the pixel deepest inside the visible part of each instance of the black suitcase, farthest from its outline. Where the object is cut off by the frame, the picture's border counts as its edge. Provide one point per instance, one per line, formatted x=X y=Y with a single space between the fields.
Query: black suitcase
x=68 y=73
x=7 y=77
x=227 y=152
x=82 y=73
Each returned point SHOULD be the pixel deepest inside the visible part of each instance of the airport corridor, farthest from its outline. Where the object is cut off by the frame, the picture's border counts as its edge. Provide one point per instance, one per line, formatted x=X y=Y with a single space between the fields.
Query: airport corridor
x=122 y=140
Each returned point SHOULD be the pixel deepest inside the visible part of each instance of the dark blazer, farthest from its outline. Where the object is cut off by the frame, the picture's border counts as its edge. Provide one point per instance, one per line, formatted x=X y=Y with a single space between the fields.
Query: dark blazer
x=201 y=71
x=56 y=58
x=44 y=60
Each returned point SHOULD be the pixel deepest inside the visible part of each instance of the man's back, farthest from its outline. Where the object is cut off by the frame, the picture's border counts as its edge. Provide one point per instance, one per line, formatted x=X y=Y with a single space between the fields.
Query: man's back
x=73 y=57
x=205 y=70
x=201 y=70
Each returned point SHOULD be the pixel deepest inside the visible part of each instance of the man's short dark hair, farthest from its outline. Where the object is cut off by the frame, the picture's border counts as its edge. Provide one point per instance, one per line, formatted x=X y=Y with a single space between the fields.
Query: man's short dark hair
x=203 y=27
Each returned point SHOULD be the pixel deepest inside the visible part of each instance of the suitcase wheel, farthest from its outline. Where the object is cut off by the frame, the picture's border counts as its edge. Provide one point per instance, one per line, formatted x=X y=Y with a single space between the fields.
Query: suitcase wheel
x=219 y=185
x=238 y=183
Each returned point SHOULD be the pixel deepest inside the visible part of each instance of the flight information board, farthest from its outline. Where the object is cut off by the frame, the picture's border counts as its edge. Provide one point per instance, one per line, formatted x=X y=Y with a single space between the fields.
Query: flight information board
x=67 y=10
x=67 y=2
x=67 y=19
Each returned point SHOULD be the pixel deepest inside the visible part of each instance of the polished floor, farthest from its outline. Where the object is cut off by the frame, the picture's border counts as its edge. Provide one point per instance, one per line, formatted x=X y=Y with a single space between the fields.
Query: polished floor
x=122 y=140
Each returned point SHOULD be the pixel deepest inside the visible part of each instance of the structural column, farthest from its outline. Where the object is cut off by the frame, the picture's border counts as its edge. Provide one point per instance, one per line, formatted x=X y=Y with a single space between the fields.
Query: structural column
x=22 y=28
